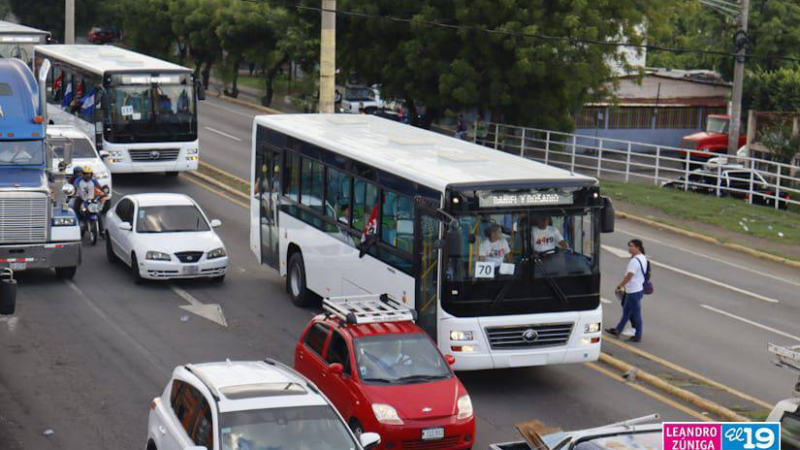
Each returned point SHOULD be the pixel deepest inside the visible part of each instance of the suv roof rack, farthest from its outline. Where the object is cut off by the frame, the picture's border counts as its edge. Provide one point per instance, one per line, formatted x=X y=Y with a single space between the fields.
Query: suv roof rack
x=371 y=308
x=788 y=358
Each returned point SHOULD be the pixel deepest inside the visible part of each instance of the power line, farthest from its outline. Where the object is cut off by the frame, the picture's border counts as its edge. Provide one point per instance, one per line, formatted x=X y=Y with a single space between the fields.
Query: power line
x=544 y=37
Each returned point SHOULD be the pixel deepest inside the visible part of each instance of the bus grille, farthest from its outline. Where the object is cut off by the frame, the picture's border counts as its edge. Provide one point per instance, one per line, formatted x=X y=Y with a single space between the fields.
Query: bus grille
x=23 y=217
x=154 y=154
x=529 y=336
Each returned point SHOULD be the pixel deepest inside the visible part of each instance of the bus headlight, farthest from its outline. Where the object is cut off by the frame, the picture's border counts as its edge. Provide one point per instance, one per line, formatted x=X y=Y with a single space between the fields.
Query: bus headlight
x=457 y=335
x=592 y=328
x=386 y=414
x=464 y=407
x=192 y=151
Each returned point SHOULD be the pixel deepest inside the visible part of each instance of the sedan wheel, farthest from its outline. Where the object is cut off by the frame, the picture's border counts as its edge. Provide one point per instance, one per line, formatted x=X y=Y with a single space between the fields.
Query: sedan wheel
x=137 y=276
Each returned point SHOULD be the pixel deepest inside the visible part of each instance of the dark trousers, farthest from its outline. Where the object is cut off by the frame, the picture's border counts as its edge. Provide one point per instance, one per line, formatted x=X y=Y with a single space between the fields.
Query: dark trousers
x=632 y=310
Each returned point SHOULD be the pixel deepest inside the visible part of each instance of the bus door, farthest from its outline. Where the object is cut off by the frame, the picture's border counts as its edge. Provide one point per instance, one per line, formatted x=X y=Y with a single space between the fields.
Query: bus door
x=268 y=179
x=426 y=265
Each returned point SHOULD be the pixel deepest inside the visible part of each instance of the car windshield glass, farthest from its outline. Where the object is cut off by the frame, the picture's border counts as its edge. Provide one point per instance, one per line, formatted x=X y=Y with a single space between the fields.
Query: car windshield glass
x=522 y=243
x=399 y=359
x=717 y=125
x=358 y=94
x=627 y=441
x=152 y=109
x=170 y=219
x=298 y=428
x=81 y=148
x=21 y=152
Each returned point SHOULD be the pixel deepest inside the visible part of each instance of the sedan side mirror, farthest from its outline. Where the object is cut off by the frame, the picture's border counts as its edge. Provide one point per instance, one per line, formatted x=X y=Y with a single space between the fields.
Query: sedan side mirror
x=216 y=223
x=336 y=369
x=450 y=359
x=369 y=440
x=125 y=226
x=104 y=154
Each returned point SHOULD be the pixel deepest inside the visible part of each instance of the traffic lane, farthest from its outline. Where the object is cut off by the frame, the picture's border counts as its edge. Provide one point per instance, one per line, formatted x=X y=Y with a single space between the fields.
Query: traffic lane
x=679 y=329
x=575 y=389
x=764 y=278
x=225 y=132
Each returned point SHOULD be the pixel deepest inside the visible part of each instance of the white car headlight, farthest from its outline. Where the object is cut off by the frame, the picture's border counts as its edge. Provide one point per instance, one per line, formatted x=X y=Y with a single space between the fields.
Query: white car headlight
x=192 y=151
x=216 y=253
x=386 y=414
x=456 y=335
x=157 y=256
x=101 y=173
x=464 y=407
x=592 y=328
x=63 y=221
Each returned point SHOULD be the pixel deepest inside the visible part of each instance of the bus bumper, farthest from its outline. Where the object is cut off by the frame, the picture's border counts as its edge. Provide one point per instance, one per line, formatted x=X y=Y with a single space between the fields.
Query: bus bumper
x=147 y=158
x=40 y=256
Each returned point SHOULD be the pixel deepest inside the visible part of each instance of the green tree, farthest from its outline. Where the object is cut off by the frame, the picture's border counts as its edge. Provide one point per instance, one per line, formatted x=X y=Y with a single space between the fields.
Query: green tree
x=147 y=25
x=195 y=22
x=49 y=15
x=777 y=90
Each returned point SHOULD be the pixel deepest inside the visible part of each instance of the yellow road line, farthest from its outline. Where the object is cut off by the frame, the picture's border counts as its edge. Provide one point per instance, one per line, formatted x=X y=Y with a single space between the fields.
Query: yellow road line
x=687 y=372
x=650 y=393
x=223 y=172
x=214 y=191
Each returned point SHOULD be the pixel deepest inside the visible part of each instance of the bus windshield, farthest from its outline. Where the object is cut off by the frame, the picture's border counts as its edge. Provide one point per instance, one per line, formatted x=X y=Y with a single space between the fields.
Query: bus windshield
x=20 y=47
x=161 y=112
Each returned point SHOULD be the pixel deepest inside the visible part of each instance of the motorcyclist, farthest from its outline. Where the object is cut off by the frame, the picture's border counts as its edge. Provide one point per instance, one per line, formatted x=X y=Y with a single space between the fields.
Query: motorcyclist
x=87 y=189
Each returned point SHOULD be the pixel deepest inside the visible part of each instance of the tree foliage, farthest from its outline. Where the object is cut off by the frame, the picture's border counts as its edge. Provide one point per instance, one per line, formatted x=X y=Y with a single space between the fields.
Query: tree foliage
x=49 y=14
x=777 y=90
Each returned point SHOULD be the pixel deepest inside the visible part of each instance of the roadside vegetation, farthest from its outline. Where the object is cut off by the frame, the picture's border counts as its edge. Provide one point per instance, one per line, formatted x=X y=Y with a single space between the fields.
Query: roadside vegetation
x=730 y=214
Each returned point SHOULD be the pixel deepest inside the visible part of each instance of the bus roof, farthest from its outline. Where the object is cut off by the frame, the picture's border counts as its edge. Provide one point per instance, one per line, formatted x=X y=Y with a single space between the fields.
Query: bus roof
x=422 y=156
x=102 y=59
x=15 y=28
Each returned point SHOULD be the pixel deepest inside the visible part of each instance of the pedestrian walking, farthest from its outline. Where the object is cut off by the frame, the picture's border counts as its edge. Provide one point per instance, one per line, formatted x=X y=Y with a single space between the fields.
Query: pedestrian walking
x=632 y=289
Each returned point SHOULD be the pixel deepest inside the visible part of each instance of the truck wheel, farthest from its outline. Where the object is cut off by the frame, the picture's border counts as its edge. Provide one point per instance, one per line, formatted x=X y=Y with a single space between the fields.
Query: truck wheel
x=296 y=281
x=137 y=276
x=66 y=273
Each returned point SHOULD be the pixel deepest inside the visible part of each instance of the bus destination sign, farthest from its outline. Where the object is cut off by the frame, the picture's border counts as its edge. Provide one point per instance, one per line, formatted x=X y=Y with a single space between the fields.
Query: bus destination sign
x=19 y=39
x=500 y=199
x=151 y=79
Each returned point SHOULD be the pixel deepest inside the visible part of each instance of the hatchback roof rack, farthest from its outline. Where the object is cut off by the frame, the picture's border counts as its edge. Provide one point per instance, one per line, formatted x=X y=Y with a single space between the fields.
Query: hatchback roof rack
x=371 y=308
x=788 y=357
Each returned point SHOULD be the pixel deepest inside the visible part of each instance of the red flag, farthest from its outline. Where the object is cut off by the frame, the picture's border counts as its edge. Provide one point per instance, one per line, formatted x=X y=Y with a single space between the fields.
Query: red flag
x=57 y=82
x=370 y=233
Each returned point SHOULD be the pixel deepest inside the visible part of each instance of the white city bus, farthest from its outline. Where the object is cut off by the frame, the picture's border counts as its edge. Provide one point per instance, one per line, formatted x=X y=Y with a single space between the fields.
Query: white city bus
x=18 y=41
x=141 y=111
x=439 y=203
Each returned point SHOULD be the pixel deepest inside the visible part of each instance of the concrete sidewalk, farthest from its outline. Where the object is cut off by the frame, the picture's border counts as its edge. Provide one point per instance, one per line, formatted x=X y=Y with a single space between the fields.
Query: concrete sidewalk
x=252 y=95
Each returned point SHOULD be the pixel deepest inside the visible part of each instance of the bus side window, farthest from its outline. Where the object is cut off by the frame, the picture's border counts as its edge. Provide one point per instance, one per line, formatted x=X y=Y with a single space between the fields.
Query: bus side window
x=292 y=183
x=338 y=195
x=397 y=221
x=365 y=198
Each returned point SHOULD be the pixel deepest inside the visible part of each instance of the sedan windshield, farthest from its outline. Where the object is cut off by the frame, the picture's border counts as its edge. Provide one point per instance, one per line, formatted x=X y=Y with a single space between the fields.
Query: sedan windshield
x=298 y=428
x=399 y=359
x=170 y=219
x=21 y=153
x=81 y=148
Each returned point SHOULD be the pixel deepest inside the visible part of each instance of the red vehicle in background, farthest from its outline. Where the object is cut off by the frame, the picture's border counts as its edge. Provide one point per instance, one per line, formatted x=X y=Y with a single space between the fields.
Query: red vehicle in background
x=711 y=142
x=100 y=35
x=385 y=375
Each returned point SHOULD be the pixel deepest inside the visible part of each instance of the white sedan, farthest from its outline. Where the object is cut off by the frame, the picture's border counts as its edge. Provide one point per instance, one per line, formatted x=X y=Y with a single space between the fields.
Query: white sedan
x=165 y=236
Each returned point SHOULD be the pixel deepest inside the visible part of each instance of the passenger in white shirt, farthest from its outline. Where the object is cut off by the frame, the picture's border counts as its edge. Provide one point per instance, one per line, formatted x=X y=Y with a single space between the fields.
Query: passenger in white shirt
x=632 y=286
x=494 y=248
x=546 y=236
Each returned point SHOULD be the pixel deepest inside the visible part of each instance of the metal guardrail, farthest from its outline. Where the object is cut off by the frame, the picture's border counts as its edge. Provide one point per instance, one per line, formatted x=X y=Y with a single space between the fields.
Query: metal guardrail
x=628 y=160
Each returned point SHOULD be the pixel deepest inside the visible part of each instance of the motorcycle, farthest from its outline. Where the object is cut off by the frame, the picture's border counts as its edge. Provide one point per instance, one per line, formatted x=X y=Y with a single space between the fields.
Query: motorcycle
x=90 y=219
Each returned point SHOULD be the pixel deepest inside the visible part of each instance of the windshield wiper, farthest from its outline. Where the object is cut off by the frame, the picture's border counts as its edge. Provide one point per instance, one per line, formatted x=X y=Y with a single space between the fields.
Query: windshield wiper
x=378 y=380
x=420 y=378
x=551 y=281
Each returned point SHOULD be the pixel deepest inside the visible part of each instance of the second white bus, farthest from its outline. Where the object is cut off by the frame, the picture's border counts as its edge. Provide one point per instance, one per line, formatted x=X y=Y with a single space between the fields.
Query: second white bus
x=462 y=234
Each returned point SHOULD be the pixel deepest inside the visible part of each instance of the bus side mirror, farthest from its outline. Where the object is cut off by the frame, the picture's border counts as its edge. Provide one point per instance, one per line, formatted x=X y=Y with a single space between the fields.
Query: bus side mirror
x=454 y=241
x=607 y=216
x=201 y=92
x=68 y=148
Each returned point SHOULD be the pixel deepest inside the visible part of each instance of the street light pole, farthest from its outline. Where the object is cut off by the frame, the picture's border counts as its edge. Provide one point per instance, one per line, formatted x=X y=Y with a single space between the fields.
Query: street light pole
x=69 y=22
x=738 y=78
x=327 y=58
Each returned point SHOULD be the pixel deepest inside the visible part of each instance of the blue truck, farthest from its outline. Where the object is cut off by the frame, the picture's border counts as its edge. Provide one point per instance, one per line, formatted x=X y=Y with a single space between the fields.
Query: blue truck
x=38 y=230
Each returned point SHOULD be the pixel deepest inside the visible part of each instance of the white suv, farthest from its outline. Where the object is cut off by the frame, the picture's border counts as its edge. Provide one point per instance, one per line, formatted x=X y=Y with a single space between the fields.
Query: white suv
x=246 y=405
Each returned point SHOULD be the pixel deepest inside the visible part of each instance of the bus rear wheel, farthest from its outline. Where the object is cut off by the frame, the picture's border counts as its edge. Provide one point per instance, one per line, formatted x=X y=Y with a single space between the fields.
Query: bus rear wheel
x=296 y=281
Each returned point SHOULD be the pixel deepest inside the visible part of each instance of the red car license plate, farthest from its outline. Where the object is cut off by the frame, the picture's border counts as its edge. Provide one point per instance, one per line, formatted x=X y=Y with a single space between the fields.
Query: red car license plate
x=431 y=434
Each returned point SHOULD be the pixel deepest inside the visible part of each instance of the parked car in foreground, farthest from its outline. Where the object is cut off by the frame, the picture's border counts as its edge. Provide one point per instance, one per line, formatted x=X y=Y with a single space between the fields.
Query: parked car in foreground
x=385 y=375
x=165 y=236
x=733 y=182
x=246 y=405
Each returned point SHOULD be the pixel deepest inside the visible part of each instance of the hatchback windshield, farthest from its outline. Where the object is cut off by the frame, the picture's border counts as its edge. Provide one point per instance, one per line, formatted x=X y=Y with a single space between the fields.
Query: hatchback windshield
x=170 y=219
x=298 y=428
x=21 y=152
x=399 y=359
x=81 y=148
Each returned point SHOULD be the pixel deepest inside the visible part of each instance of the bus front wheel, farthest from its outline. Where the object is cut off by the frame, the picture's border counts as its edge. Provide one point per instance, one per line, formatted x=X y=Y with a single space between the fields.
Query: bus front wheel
x=296 y=281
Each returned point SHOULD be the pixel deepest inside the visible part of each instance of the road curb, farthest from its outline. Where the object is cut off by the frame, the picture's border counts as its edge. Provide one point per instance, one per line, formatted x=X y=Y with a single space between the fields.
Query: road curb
x=710 y=240
x=681 y=394
x=217 y=184
x=239 y=102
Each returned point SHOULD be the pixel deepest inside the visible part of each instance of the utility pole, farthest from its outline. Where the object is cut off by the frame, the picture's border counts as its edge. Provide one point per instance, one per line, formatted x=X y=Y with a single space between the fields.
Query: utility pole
x=69 y=22
x=740 y=40
x=327 y=58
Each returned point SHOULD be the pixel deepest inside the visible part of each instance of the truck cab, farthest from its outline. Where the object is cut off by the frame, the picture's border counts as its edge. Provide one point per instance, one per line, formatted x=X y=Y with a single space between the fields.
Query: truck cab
x=711 y=142
x=37 y=227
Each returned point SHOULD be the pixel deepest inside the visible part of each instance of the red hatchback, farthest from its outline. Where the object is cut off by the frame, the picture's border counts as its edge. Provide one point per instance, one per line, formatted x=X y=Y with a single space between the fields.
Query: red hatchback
x=387 y=376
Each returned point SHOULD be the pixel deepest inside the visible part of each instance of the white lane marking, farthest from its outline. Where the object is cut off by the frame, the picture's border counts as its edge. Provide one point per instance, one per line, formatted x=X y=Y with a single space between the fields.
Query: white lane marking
x=750 y=322
x=212 y=312
x=624 y=254
x=605 y=300
x=712 y=258
x=222 y=133
x=249 y=116
x=11 y=322
x=113 y=324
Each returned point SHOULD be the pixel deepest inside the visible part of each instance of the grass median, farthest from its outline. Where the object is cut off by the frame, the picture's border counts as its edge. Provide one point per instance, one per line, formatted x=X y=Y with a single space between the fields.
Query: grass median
x=730 y=214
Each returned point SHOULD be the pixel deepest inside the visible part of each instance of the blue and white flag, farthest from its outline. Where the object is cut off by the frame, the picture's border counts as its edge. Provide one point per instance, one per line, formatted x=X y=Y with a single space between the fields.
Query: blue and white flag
x=87 y=107
x=67 y=96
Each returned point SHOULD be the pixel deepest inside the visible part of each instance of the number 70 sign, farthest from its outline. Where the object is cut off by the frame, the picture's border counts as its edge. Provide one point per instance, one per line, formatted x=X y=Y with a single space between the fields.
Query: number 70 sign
x=722 y=436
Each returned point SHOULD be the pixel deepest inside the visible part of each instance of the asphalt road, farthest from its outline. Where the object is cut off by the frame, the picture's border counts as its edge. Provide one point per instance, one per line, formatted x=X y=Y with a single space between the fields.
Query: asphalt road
x=85 y=358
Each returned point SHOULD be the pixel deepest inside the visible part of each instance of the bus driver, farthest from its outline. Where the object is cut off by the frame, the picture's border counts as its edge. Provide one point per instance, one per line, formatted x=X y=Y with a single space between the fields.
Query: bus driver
x=546 y=236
